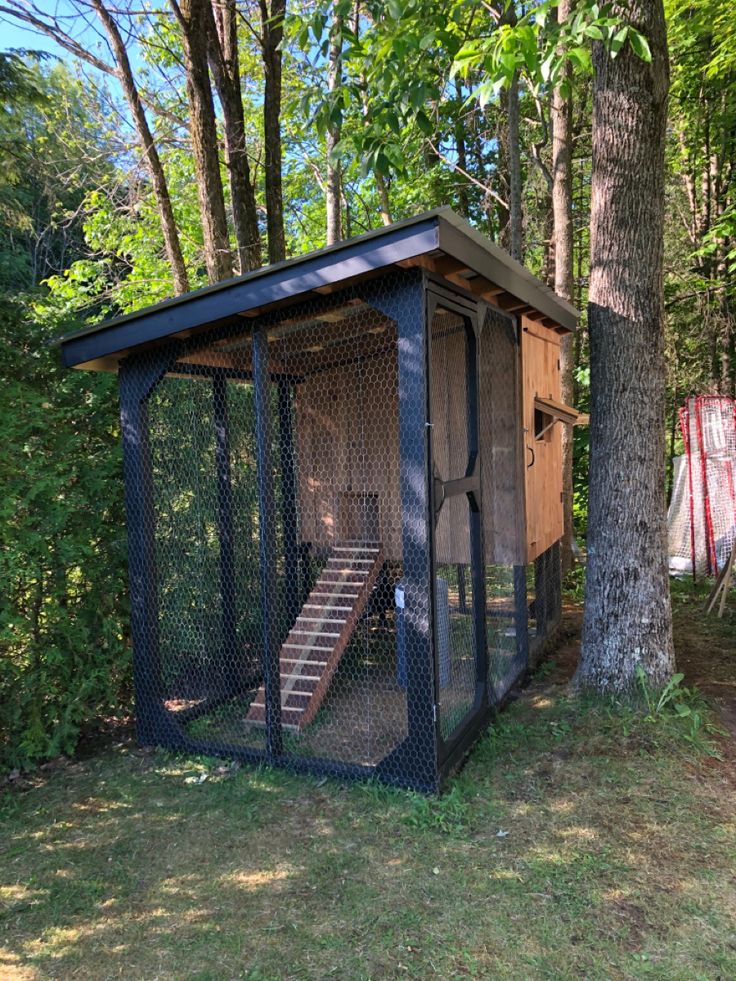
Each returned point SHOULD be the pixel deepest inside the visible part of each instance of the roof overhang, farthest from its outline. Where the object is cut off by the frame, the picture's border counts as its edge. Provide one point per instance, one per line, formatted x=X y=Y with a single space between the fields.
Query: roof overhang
x=438 y=240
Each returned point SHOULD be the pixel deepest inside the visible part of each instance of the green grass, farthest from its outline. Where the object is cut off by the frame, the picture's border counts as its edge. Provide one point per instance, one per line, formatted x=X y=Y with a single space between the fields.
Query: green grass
x=580 y=841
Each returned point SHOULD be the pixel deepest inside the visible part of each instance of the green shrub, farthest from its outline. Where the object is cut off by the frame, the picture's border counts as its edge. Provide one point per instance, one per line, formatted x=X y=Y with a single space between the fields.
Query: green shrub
x=64 y=654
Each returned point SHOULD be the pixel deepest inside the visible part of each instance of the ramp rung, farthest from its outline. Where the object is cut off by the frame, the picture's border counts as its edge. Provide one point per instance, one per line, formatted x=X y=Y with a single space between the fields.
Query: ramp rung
x=321 y=606
x=359 y=547
x=299 y=660
x=320 y=620
x=315 y=633
x=307 y=647
x=359 y=561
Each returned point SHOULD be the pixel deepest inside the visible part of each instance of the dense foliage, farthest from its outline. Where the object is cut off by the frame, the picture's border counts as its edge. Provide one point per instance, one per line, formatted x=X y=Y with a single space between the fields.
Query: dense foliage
x=64 y=658
x=384 y=109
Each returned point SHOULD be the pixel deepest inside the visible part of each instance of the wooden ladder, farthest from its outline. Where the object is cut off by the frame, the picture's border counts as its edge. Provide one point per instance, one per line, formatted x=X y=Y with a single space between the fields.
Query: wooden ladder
x=321 y=633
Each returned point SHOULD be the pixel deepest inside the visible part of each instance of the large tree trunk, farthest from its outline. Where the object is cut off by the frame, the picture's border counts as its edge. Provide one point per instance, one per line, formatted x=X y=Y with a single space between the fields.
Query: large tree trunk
x=627 y=620
x=169 y=230
x=225 y=65
x=193 y=18
x=272 y=21
x=563 y=259
x=333 y=186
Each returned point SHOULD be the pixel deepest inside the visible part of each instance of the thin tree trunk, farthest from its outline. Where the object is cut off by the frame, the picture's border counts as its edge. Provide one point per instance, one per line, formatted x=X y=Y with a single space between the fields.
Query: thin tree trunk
x=514 y=158
x=333 y=189
x=225 y=65
x=462 y=156
x=384 y=203
x=170 y=233
x=563 y=259
x=512 y=148
x=193 y=18
x=272 y=21
x=627 y=620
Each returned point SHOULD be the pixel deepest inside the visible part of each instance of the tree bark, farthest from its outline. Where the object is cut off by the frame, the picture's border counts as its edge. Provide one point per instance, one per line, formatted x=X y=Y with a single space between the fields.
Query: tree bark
x=333 y=188
x=384 y=202
x=272 y=33
x=563 y=283
x=193 y=19
x=462 y=156
x=511 y=150
x=225 y=66
x=170 y=233
x=627 y=619
x=516 y=222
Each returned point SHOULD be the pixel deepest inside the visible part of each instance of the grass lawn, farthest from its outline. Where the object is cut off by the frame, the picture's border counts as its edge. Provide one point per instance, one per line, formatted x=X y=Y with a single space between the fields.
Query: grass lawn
x=579 y=841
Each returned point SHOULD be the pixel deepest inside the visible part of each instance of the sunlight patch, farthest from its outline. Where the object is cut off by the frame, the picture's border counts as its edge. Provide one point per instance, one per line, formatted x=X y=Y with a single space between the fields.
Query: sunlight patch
x=256 y=878
x=579 y=833
x=543 y=702
x=11 y=968
x=19 y=892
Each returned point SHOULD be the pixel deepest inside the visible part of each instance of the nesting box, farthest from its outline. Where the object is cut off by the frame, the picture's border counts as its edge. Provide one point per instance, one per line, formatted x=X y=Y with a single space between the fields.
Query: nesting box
x=343 y=482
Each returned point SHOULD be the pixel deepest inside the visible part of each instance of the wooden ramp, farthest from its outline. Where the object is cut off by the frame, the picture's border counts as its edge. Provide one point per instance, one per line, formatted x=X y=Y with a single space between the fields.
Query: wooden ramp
x=322 y=632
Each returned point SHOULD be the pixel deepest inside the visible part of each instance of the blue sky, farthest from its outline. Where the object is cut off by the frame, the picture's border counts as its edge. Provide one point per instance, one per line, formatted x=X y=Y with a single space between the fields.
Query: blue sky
x=13 y=35
x=16 y=35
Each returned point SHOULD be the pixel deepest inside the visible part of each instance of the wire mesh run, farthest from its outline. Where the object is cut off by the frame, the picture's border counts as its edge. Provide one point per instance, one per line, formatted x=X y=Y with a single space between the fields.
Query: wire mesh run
x=325 y=532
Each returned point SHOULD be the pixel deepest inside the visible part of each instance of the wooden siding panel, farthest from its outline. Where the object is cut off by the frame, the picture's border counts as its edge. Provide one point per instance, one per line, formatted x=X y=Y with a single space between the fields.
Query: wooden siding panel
x=540 y=353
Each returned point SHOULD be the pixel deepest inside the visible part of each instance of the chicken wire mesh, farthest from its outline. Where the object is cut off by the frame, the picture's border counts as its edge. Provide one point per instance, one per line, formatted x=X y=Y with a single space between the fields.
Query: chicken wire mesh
x=287 y=602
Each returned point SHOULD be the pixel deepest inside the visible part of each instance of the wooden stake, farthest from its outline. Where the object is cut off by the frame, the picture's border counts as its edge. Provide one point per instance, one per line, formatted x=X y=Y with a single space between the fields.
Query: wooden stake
x=721 y=586
x=726 y=582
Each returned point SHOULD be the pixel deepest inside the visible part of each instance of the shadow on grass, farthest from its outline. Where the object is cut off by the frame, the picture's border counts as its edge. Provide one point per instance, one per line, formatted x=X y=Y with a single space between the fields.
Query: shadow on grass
x=573 y=844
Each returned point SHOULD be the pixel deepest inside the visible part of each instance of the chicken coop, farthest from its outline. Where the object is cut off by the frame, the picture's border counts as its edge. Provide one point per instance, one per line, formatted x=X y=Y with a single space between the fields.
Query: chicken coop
x=343 y=482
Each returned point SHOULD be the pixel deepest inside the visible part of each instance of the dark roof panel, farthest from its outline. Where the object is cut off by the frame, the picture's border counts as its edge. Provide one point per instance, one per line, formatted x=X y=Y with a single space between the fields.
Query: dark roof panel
x=102 y=345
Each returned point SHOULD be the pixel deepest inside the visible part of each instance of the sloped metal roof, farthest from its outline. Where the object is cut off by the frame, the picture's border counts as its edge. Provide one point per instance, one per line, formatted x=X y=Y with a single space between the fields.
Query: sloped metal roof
x=422 y=240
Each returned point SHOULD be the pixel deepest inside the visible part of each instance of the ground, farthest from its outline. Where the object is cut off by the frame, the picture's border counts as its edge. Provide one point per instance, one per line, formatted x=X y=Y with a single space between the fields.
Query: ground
x=579 y=841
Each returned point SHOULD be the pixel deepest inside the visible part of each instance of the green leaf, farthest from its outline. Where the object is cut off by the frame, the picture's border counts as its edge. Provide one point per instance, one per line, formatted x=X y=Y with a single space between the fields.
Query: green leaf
x=424 y=123
x=640 y=45
x=617 y=41
x=580 y=58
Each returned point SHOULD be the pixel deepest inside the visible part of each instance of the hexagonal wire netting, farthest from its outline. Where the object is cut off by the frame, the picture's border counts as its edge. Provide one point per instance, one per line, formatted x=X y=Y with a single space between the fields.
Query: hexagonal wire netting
x=280 y=533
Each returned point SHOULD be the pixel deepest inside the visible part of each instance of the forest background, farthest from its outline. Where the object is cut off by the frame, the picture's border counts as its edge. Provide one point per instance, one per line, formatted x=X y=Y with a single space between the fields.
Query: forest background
x=158 y=147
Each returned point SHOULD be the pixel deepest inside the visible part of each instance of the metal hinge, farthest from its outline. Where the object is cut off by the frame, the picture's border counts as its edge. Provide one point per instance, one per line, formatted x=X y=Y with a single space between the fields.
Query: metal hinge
x=434 y=713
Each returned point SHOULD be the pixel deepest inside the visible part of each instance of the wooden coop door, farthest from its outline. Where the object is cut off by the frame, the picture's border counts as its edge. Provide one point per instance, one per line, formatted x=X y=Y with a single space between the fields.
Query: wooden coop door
x=540 y=357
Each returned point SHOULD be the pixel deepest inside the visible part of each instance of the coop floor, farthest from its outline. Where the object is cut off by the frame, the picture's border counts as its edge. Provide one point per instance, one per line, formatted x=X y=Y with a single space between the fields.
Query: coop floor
x=364 y=715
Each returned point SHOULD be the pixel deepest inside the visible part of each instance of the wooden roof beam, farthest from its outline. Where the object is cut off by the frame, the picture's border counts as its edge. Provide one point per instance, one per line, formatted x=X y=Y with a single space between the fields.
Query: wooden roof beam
x=510 y=303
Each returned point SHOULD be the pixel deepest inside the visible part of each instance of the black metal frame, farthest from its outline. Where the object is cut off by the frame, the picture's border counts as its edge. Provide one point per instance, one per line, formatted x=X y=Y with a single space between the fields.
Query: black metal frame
x=424 y=758
x=469 y=486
